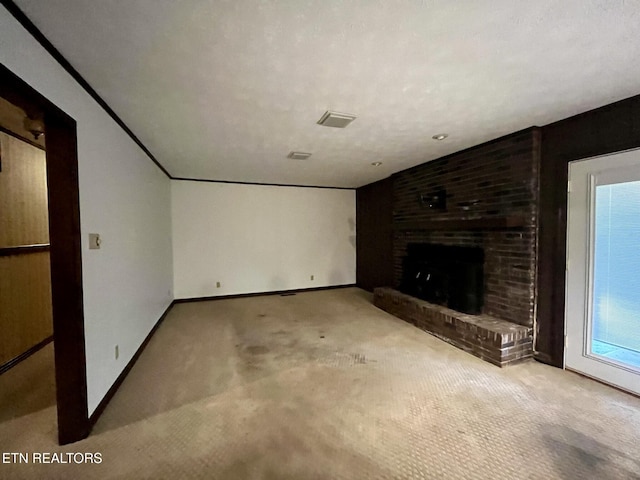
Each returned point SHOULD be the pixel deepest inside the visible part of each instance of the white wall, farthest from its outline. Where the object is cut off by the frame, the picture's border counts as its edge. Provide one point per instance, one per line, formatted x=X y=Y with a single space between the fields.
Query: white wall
x=254 y=238
x=124 y=197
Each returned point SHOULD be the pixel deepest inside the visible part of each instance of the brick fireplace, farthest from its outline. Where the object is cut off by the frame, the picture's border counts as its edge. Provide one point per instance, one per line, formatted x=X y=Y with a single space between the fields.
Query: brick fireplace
x=490 y=203
x=484 y=199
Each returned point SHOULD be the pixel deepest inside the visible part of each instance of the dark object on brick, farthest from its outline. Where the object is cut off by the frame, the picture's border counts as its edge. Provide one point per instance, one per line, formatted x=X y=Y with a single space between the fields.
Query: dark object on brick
x=436 y=200
x=497 y=341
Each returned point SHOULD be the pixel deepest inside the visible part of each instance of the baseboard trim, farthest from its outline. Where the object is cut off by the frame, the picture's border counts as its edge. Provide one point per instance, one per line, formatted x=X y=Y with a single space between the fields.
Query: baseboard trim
x=114 y=388
x=23 y=356
x=261 y=294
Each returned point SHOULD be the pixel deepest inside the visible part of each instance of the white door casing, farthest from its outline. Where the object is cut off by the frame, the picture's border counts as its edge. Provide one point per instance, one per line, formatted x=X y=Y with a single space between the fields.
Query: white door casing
x=584 y=177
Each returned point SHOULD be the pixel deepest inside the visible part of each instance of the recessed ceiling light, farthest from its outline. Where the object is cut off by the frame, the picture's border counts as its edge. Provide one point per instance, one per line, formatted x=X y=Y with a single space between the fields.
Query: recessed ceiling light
x=440 y=136
x=376 y=164
x=335 y=119
x=298 y=155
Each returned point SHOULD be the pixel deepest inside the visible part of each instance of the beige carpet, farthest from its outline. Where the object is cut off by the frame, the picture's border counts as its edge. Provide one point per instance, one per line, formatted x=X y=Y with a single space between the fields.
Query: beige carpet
x=28 y=387
x=323 y=385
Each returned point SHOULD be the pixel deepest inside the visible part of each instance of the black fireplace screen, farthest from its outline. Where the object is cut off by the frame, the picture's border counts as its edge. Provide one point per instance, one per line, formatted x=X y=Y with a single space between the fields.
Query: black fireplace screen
x=447 y=275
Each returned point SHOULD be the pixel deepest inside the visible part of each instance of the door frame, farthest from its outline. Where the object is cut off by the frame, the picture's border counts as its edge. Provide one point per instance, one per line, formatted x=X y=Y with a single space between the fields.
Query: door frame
x=584 y=269
x=65 y=254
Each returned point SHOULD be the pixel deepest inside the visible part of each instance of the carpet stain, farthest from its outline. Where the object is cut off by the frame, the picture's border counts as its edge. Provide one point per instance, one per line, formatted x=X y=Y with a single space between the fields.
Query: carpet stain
x=257 y=349
x=358 y=358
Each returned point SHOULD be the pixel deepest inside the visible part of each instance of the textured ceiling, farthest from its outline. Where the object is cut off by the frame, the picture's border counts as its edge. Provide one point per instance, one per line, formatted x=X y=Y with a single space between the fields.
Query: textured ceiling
x=225 y=90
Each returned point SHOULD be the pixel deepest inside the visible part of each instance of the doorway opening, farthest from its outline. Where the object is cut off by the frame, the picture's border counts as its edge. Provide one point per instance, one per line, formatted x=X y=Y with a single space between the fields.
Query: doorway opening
x=27 y=377
x=64 y=253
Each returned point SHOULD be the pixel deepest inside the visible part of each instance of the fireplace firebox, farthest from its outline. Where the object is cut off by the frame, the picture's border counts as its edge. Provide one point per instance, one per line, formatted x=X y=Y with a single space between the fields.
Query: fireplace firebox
x=452 y=276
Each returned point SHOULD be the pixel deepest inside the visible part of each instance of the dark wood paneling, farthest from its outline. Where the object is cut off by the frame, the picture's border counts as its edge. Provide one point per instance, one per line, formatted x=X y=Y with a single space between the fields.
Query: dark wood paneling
x=374 y=239
x=609 y=129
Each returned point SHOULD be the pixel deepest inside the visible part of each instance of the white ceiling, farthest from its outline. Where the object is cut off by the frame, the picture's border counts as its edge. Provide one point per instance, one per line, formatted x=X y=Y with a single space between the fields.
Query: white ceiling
x=225 y=90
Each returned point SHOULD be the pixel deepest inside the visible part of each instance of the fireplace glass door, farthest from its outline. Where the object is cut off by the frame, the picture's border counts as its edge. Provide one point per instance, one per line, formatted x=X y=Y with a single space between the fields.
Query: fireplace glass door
x=603 y=275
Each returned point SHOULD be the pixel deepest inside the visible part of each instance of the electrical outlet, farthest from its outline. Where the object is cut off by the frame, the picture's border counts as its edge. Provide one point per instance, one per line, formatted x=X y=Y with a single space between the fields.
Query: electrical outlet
x=311 y=277
x=117 y=351
x=94 y=241
x=217 y=284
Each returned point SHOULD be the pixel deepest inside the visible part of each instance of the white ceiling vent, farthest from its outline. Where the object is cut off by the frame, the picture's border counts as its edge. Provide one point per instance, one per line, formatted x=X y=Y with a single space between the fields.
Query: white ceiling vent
x=335 y=119
x=298 y=155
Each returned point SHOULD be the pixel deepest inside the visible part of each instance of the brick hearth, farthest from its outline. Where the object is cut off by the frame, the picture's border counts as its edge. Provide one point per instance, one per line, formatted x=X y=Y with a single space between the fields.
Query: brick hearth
x=497 y=341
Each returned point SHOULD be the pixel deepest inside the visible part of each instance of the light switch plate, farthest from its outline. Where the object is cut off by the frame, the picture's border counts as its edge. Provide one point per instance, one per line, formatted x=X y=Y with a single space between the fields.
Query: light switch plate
x=94 y=241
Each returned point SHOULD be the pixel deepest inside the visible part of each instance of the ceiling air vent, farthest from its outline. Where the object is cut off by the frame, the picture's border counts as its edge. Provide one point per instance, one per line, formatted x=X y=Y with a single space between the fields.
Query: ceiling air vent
x=335 y=119
x=298 y=155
